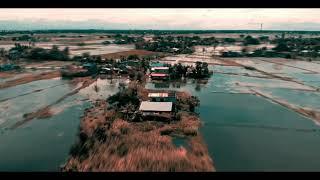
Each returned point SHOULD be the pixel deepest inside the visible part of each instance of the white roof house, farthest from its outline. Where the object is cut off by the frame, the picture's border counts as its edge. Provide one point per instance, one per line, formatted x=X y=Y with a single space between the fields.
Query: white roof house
x=156 y=106
x=160 y=68
x=158 y=95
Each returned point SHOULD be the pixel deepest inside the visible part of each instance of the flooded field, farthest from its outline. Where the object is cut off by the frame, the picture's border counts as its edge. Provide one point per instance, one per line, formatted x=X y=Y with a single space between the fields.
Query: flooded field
x=43 y=143
x=264 y=119
x=248 y=132
x=209 y=50
x=95 y=48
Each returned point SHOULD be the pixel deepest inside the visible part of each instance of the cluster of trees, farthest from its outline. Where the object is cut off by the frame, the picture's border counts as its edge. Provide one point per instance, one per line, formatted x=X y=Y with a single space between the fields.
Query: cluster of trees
x=229 y=40
x=124 y=39
x=124 y=97
x=288 y=44
x=179 y=44
x=49 y=54
x=21 y=51
x=106 y=42
x=200 y=70
x=249 y=40
x=24 y=38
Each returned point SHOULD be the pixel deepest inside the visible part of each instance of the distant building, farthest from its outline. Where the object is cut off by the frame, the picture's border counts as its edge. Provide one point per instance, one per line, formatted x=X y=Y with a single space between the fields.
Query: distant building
x=156 y=64
x=159 y=76
x=164 y=70
x=163 y=96
x=175 y=49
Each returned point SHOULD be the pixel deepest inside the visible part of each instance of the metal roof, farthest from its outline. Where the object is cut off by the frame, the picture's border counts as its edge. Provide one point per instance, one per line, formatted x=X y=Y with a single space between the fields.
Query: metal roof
x=158 y=95
x=165 y=68
x=155 y=106
x=159 y=74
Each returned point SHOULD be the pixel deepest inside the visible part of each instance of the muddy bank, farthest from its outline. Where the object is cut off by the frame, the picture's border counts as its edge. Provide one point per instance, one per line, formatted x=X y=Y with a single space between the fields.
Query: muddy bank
x=283 y=64
x=110 y=142
x=30 y=78
x=45 y=111
x=243 y=74
x=312 y=114
x=7 y=74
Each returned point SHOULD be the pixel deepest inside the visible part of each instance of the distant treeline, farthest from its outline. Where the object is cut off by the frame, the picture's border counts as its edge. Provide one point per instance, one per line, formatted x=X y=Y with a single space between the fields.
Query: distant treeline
x=157 y=32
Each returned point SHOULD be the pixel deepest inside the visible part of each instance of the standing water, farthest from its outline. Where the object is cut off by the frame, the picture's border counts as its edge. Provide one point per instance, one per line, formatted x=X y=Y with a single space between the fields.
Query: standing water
x=245 y=132
x=43 y=144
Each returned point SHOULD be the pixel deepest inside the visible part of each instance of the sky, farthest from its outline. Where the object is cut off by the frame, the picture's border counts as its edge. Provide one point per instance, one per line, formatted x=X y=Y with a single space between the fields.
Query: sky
x=170 y=19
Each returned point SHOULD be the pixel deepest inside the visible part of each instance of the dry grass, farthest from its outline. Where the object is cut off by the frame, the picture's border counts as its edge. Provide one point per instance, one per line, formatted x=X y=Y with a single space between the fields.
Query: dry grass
x=139 y=146
x=128 y=149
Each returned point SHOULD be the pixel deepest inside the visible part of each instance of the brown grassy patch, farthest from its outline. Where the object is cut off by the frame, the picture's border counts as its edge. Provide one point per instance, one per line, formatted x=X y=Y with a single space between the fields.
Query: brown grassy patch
x=6 y=74
x=139 y=146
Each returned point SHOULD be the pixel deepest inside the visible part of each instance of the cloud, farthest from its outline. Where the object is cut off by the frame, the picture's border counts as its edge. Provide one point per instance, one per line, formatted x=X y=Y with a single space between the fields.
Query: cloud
x=21 y=19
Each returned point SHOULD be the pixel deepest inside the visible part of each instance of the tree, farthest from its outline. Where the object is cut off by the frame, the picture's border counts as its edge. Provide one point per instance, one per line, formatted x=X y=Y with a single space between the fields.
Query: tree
x=106 y=42
x=205 y=68
x=229 y=40
x=249 y=40
x=133 y=57
x=281 y=46
x=86 y=55
x=2 y=52
x=264 y=38
x=198 y=69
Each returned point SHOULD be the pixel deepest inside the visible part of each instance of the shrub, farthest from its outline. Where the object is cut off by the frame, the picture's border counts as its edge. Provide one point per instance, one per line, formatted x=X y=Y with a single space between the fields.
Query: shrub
x=122 y=149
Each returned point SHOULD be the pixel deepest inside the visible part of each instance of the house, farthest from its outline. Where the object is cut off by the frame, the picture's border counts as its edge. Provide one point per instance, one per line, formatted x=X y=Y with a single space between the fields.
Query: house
x=175 y=49
x=159 y=76
x=162 y=69
x=156 y=109
x=91 y=67
x=105 y=70
x=162 y=96
x=130 y=64
x=156 y=64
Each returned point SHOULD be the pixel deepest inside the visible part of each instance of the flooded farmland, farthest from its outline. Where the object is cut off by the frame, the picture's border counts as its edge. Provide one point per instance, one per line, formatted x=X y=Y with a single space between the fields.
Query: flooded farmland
x=248 y=132
x=251 y=118
x=94 y=49
x=43 y=143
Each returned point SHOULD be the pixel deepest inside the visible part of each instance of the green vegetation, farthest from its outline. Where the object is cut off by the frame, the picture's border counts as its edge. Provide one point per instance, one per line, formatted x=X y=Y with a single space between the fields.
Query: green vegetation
x=177 y=45
x=81 y=44
x=124 y=39
x=20 y=51
x=249 y=40
x=200 y=70
x=229 y=40
x=52 y=54
x=106 y=42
